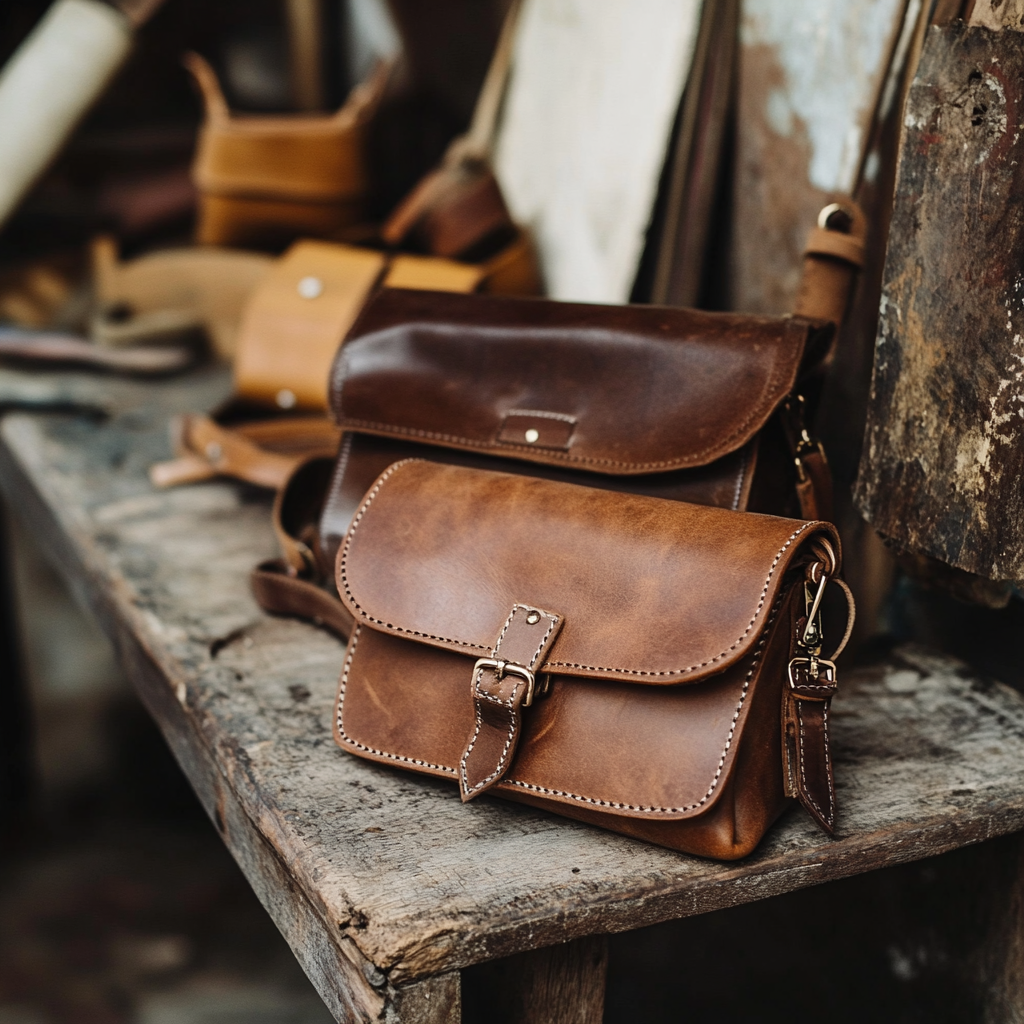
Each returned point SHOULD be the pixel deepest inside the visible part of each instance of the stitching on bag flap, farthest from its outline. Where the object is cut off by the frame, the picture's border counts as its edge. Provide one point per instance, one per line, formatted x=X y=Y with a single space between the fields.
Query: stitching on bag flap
x=756 y=409
x=362 y=746
x=642 y=808
x=550 y=665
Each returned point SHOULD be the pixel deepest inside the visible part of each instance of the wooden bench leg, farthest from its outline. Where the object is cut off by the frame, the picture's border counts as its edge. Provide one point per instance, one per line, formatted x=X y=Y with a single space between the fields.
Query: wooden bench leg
x=1002 y=954
x=436 y=1000
x=561 y=984
x=564 y=984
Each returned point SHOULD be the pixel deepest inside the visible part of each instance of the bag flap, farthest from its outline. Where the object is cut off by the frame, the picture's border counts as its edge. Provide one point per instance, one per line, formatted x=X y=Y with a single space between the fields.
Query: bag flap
x=615 y=389
x=650 y=591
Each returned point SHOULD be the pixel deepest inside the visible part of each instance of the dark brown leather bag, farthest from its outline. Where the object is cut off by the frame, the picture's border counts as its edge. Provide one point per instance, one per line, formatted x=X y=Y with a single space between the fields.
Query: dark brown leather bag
x=653 y=667
x=675 y=403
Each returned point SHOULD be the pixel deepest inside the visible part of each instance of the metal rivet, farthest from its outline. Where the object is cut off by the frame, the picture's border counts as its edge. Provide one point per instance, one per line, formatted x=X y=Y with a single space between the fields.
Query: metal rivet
x=532 y=436
x=286 y=398
x=214 y=451
x=311 y=287
x=533 y=618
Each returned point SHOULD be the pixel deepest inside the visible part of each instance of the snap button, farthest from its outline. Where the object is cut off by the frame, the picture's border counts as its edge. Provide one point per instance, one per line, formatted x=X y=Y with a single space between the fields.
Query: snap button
x=533 y=618
x=311 y=287
x=532 y=436
x=286 y=398
x=214 y=451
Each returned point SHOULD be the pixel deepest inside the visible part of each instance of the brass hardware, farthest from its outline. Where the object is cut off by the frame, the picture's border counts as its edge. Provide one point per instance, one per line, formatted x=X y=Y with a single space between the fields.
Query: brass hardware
x=509 y=668
x=533 y=618
x=814 y=667
x=532 y=436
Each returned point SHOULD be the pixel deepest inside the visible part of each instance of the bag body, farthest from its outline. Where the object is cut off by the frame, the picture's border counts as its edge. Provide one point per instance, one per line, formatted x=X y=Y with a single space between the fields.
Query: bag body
x=629 y=661
x=672 y=403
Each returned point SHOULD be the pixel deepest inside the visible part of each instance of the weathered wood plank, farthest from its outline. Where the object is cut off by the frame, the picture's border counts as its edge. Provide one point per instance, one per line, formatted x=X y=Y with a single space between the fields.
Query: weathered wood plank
x=942 y=467
x=390 y=869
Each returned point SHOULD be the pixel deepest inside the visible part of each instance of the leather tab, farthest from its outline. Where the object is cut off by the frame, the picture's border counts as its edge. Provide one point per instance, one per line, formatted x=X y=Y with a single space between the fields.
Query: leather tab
x=808 y=759
x=536 y=428
x=502 y=686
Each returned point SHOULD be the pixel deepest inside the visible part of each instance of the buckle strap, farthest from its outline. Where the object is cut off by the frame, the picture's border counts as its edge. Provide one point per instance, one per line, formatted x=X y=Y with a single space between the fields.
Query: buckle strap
x=501 y=686
x=807 y=701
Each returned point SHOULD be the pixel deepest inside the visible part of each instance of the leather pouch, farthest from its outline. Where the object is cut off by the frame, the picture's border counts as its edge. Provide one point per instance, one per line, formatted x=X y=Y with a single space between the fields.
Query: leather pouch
x=673 y=403
x=649 y=666
x=265 y=180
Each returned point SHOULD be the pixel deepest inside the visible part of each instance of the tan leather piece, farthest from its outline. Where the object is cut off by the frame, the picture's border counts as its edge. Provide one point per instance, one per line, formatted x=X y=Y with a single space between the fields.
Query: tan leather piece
x=262 y=453
x=698 y=767
x=650 y=389
x=501 y=687
x=294 y=322
x=172 y=292
x=833 y=256
x=432 y=273
x=410 y=565
x=263 y=177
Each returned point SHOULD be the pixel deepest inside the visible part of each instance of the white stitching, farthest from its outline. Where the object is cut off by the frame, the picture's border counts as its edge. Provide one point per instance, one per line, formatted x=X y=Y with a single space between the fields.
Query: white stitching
x=558 y=792
x=362 y=746
x=540 y=414
x=343 y=562
x=344 y=559
x=739 y=481
x=710 y=661
x=803 y=773
x=757 y=409
x=721 y=761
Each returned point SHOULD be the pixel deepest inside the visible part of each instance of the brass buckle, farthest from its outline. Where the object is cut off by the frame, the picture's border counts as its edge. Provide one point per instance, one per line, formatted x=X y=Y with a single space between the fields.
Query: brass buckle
x=510 y=668
x=815 y=664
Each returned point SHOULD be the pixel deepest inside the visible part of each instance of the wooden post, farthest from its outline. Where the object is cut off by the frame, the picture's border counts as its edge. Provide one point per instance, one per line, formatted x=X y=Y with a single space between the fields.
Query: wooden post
x=942 y=469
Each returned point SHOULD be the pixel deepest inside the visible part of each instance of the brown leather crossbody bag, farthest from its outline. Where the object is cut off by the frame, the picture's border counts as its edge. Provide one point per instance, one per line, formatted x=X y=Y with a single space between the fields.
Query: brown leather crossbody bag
x=653 y=667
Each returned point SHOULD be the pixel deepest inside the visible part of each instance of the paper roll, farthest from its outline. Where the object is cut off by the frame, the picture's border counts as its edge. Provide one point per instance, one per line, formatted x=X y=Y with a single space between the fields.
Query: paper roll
x=48 y=85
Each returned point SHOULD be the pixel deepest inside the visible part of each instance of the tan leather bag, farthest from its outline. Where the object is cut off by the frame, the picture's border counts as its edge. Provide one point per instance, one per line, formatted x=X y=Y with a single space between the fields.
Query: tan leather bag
x=265 y=180
x=648 y=666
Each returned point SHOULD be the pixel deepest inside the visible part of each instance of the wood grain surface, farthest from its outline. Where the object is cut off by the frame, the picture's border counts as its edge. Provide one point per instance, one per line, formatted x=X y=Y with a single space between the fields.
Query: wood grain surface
x=383 y=882
x=942 y=470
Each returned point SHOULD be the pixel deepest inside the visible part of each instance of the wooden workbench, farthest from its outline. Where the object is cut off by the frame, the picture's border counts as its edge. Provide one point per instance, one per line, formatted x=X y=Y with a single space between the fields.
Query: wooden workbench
x=383 y=883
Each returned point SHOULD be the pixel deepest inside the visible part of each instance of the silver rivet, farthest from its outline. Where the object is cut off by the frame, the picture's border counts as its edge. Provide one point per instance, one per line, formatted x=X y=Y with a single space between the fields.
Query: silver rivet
x=214 y=451
x=533 y=618
x=311 y=287
x=532 y=436
x=286 y=398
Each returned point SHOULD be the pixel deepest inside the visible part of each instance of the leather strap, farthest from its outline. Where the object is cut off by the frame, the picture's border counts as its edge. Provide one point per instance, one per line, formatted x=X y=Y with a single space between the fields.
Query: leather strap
x=832 y=257
x=264 y=453
x=807 y=700
x=501 y=686
x=809 y=763
x=279 y=591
